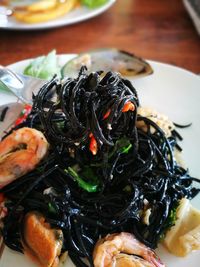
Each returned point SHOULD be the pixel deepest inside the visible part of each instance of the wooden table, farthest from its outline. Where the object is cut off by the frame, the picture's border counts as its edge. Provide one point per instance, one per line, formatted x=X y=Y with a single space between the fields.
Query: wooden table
x=157 y=30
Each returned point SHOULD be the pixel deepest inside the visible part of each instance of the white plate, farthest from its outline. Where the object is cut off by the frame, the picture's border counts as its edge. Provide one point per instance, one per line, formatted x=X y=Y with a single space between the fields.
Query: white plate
x=173 y=91
x=77 y=15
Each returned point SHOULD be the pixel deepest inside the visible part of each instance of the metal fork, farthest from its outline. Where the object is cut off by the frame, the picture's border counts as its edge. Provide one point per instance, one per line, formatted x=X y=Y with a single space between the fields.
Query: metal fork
x=21 y=85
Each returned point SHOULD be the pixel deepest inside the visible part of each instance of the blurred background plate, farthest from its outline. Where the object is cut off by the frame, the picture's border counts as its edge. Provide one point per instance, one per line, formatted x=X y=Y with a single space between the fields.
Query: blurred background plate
x=77 y=15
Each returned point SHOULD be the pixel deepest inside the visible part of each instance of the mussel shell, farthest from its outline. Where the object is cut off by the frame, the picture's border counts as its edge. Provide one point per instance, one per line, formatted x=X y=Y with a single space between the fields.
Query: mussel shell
x=41 y=232
x=111 y=59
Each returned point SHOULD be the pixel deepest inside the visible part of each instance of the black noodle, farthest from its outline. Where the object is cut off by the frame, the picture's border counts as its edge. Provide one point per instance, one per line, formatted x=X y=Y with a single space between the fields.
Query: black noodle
x=3 y=113
x=133 y=170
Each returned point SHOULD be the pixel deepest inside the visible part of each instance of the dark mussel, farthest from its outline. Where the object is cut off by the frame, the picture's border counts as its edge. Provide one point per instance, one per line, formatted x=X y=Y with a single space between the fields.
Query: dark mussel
x=41 y=242
x=110 y=59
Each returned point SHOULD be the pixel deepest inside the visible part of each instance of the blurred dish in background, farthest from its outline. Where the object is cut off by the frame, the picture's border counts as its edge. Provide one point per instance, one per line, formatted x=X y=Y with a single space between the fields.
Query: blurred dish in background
x=44 y=10
x=52 y=13
x=193 y=8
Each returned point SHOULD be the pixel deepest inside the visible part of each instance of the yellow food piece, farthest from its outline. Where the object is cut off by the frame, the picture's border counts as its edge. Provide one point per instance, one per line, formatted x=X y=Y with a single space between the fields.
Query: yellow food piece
x=41 y=5
x=184 y=236
x=160 y=119
x=59 y=10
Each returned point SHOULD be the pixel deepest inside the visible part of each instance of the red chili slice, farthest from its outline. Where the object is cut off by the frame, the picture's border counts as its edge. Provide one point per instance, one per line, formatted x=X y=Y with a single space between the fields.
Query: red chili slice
x=128 y=106
x=93 y=144
x=24 y=114
x=106 y=114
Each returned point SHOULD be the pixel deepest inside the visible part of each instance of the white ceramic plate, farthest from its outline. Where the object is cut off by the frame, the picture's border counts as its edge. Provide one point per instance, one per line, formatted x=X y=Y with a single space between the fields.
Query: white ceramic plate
x=77 y=15
x=171 y=90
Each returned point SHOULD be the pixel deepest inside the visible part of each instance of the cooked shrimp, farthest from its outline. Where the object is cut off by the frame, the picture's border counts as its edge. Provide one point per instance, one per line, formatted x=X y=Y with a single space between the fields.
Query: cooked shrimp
x=42 y=243
x=20 y=152
x=109 y=252
x=131 y=261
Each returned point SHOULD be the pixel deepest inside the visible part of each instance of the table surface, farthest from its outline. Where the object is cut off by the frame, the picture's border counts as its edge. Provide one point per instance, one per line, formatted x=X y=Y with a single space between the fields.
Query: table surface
x=156 y=30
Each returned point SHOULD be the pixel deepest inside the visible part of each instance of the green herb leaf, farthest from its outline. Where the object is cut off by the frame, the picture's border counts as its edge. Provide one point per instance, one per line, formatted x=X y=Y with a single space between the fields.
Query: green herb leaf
x=123 y=145
x=51 y=207
x=126 y=149
x=86 y=186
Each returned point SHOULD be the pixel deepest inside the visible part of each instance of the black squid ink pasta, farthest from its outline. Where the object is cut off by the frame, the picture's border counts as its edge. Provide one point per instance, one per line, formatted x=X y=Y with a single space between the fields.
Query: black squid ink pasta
x=102 y=172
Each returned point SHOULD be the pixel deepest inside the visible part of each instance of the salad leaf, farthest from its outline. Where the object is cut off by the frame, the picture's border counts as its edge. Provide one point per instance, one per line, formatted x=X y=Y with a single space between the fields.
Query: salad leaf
x=43 y=67
x=94 y=3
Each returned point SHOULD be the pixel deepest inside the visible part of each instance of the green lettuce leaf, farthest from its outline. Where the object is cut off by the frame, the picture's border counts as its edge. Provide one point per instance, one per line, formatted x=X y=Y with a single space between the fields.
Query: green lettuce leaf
x=44 y=67
x=94 y=3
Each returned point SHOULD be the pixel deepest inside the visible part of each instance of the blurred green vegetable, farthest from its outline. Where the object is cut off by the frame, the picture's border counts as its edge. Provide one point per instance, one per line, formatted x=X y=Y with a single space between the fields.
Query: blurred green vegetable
x=44 y=67
x=94 y=3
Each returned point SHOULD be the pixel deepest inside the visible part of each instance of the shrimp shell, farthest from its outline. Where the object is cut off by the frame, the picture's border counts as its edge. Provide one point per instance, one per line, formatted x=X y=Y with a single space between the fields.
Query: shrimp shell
x=108 y=252
x=20 y=152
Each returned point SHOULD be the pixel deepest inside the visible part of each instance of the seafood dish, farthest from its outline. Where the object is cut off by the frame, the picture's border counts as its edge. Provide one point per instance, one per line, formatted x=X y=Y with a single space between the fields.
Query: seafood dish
x=90 y=172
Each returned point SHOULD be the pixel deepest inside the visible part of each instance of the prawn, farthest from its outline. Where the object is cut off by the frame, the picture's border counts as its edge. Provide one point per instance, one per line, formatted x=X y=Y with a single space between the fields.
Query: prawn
x=20 y=152
x=122 y=249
